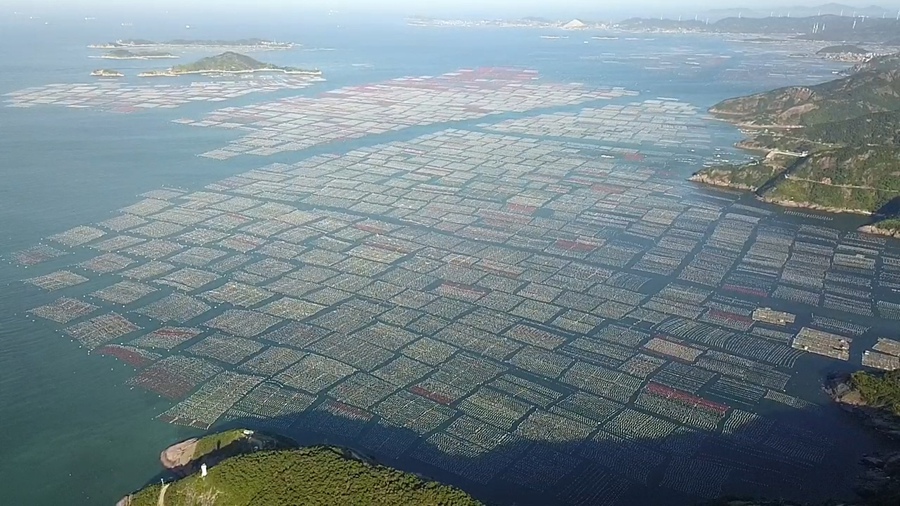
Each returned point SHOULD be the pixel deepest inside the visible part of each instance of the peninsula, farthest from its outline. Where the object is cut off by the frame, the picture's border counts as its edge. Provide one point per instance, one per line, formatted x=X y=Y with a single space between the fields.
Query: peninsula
x=125 y=54
x=252 y=472
x=227 y=63
x=832 y=147
x=845 y=53
x=243 y=44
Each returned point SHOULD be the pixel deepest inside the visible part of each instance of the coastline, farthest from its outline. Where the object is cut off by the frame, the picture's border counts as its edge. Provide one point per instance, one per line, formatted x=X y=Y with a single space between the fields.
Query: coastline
x=875 y=230
x=815 y=207
x=207 y=47
x=841 y=391
x=180 y=460
x=136 y=57
x=169 y=73
x=704 y=179
x=707 y=180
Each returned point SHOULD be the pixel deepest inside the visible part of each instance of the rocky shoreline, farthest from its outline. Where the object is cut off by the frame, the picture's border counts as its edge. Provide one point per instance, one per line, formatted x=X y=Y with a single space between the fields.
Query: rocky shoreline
x=703 y=178
x=875 y=230
x=170 y=73
x=880 y=482
x=815 y=207
x=841 y=391
x=711 y=181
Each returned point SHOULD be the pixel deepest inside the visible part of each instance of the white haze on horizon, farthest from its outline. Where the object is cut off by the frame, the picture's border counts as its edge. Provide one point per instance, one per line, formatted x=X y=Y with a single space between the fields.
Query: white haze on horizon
x=555 y=9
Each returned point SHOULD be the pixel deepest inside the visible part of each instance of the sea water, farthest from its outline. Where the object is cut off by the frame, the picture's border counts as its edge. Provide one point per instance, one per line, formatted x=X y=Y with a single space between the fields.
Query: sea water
x=71 y=431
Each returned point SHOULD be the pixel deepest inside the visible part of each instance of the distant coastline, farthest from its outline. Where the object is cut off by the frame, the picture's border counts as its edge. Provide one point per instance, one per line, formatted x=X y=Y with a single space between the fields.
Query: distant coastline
x=172 y=73
x=244 y=44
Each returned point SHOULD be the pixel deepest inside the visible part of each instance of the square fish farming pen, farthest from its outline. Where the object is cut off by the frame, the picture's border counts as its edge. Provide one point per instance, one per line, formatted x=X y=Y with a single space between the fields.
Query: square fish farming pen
x=176 y=376
x=212 y=400
x=57 y=280
x=101 y=330
x=64 y=310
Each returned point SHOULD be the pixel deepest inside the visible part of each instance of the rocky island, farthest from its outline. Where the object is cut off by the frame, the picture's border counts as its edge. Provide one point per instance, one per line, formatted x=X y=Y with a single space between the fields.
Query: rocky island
x=228 y=63
x=246 y=468
x=832 y=147
x=107 y=73
x=125 y=54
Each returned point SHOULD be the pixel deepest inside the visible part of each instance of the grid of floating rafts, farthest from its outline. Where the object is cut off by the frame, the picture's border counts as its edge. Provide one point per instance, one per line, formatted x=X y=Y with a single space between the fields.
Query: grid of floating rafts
x=295 y=124
x=499 y=308
x=127 y=98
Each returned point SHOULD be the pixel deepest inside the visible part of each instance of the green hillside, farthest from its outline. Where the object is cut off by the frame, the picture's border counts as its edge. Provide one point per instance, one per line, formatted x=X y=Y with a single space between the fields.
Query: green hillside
x=308 y=476
x=837 y=143
x=879 y=390
x=865 y=92
x=228 y=61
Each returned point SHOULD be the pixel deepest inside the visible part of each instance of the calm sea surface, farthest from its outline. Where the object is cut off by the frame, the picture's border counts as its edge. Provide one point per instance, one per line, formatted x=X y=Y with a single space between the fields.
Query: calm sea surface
x=71 y=431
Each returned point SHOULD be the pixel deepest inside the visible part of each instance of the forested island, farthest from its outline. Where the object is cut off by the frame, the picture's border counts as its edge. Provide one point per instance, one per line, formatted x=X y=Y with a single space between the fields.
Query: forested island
x=257 y=470
x=833 y=147
x=245 y=44
x=228 y=62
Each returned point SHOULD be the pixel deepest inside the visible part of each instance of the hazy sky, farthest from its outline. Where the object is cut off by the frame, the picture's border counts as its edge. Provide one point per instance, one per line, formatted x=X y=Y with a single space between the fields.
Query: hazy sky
x=558 y=8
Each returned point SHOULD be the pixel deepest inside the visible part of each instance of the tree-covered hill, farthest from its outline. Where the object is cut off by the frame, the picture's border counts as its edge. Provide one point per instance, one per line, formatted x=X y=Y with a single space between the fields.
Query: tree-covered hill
x=838 y=142
x=315 y=476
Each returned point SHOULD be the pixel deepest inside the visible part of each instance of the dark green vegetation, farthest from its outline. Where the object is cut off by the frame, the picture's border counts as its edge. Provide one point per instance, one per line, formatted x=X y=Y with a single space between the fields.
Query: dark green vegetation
x=307 y=476
x=230 y=61
x=842 y=49
x=746 y=177
x=874 y=88
x=838 y=143
x=867 y=130
x=879 y=390
x=858 y=178
x=213 y=442
x=831 y=27
x=891 y=225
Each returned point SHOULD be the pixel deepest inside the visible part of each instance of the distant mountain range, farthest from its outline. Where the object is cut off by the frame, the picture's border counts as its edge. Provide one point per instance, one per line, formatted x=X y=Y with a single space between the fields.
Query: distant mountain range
x=827 y=27
x=801 y=11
